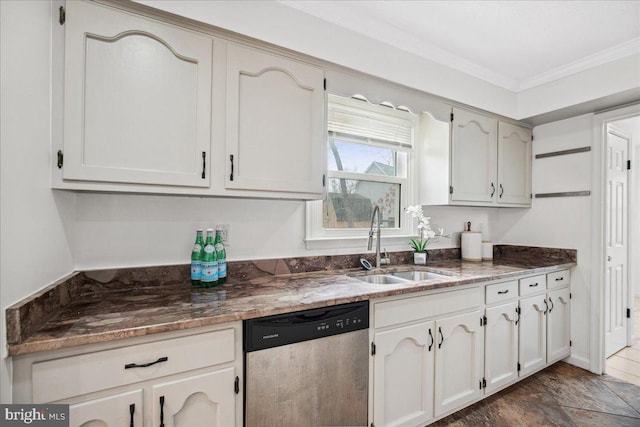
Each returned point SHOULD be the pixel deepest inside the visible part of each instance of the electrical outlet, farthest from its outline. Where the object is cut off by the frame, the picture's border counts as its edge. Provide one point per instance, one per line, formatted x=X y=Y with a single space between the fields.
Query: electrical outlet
x=225 y=233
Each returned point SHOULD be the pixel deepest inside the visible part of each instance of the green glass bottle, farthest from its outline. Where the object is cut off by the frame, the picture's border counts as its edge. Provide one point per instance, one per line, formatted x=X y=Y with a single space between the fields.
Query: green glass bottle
x=209 y=262
x=222 y=257
x=196 y=259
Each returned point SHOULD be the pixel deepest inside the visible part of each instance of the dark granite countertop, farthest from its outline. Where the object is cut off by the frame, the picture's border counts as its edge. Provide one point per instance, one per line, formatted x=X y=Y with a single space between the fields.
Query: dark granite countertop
x=113 y=308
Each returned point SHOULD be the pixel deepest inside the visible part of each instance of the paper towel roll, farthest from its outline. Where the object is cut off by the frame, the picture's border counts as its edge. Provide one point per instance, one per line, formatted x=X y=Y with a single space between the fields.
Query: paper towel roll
x=471 y=242
x=487 y=251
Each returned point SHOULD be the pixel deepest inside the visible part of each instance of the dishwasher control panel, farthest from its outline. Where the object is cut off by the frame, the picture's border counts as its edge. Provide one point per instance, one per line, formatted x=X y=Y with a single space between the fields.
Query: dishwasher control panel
x=289 y=328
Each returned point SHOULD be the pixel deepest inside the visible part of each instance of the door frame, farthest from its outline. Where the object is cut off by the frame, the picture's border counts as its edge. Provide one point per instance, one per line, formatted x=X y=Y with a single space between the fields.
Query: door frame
x=598 y=226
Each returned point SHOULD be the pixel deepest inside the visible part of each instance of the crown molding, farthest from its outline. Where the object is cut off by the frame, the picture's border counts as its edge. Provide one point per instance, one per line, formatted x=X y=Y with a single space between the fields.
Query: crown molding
x=614 y=53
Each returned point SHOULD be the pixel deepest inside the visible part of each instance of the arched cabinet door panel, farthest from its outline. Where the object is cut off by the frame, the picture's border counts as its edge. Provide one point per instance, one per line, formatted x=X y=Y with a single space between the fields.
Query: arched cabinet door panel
x=122 y=409
x=514 y=165
x=137 y=99
x=275 y=123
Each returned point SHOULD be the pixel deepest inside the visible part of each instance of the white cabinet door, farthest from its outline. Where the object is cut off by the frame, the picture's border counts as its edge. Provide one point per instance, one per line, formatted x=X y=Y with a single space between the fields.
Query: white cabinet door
x=459 y=361
x=123 y=409
x=275 y=123
x=533 y=334
x=204 y=400
x=558 y=325
x=137 y=99
x=501 y=346
x=514 y=165
x=473 y=159
x=403 y=375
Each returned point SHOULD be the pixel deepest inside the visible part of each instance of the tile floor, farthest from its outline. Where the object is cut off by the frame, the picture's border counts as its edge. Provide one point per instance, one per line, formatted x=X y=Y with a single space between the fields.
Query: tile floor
x=560 y=395
x=625 y=364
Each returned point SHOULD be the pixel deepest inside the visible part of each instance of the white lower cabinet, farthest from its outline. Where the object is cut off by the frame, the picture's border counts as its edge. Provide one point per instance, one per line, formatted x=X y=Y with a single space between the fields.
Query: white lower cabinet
x=403 y=372
x=558 y=324
x=533 y=334
x=205 y=400
x=501 y=346
x=177 y=379
x=120 y=409
x=459 y=360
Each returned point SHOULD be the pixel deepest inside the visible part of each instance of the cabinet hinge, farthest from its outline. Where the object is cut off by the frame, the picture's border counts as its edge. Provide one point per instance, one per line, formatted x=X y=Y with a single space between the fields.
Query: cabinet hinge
x=373 y=348
x=570 y=343
x=484 y=382
x=325 y=84
x=451 y=189
x=531 y=195
x=483 y=321
x=323 y=180
x=62 y=16
x=532 y=138
x=373 y=425
x=518 y=366
x=570 y=295
x=628 y=313
x=628 y=164
x=60 y=159
x=451 y=116
x=236 y=385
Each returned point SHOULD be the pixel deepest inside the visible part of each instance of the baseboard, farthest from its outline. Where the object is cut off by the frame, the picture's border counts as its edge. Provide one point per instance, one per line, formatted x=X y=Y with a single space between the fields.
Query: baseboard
x=580 y=362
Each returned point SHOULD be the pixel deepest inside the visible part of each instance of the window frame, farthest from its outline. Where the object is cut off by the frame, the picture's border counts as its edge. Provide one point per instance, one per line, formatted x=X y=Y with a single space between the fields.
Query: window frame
x=318 y=237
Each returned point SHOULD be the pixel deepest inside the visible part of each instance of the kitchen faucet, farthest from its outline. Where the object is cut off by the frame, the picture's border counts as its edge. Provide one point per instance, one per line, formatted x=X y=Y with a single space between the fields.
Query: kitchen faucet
x=385 y=260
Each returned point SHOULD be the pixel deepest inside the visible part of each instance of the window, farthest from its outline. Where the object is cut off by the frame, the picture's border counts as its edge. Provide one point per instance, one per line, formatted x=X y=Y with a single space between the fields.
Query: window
x=369 y=154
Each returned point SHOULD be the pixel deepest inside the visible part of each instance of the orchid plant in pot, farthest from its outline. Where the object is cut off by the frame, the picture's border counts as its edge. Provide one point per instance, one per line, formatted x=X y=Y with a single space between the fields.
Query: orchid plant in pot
x=425 y=233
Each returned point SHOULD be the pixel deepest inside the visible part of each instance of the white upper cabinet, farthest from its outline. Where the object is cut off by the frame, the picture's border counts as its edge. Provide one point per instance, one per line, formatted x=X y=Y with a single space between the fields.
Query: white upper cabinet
x=514 y=165
x=473 y=157
x=137 y=100
x=475 y=160
x=275 y=124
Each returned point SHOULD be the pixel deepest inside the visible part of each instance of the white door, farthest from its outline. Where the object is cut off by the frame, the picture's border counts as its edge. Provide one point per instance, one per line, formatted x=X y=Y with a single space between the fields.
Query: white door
x=616 y=286
x=204 y=400
x=558 y=326
x=275 y=120
x=501 y=346
x=533 y=334
x=123 y=409
x=403 y=375
x=514 y=165
x=459 y=361
x=474 y=157
x=137 y=99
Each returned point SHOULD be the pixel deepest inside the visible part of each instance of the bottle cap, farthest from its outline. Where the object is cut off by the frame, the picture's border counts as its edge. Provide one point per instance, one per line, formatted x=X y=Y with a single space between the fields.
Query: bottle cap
x=209 y=229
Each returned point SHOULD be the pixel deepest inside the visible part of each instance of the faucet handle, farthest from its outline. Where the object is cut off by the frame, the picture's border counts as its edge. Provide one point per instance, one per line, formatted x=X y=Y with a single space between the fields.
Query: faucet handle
x=385 y=260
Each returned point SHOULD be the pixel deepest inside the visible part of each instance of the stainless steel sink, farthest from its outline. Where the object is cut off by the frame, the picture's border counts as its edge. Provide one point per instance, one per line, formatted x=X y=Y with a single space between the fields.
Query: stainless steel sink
x=381 y=279
x=419 y=276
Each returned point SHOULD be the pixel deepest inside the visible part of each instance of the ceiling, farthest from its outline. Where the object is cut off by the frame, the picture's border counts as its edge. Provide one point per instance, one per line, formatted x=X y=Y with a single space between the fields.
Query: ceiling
x=514 y=44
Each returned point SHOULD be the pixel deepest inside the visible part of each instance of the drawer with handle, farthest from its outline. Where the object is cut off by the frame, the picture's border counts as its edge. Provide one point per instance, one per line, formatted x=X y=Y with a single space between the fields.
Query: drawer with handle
x=66 y=377
x=558 y=279
x=533 y=285
x=499 y=292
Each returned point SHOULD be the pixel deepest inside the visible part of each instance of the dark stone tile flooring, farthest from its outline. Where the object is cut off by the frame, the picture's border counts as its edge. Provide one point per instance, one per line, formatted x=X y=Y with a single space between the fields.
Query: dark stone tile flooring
x=561 y=395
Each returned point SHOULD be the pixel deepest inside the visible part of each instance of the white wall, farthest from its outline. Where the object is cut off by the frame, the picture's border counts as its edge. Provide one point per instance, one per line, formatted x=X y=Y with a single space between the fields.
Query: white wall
x=561 y=222
x=34 y=221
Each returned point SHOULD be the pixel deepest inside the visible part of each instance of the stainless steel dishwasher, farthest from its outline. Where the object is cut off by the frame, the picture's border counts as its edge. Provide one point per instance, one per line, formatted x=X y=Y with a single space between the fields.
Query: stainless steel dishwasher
x=308 y=368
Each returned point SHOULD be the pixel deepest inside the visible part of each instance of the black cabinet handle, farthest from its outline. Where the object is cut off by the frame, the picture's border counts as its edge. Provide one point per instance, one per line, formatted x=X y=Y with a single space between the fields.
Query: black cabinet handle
x=533 y=285
x=161 y=411
x=501 y=190
x=558 y=279
x=231 y=176
x=503 y=292
x=493 y=189
x=236 y=385
x=546 y=307
x=204 y=163
x=432 y=340
x=551 y=305
x=132 y=410
x=144 y=365
x=441 y=337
